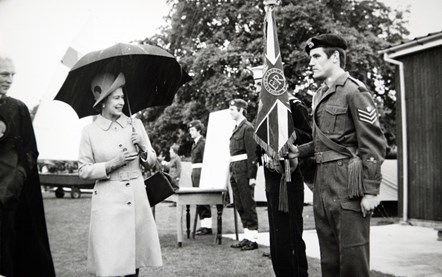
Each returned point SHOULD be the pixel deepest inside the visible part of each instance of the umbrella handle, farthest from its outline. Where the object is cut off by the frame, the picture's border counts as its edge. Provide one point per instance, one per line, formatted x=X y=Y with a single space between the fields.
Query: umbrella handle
x=137 y=147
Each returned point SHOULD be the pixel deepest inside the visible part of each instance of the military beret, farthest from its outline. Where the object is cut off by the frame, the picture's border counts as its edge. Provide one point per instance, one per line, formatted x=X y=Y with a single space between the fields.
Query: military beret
x=238 y=103
x=195 y=123
x=325 y=40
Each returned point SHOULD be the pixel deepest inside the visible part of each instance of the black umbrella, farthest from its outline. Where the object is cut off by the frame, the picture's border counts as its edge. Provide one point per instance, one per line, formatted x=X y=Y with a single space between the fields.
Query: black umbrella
x=152 y=74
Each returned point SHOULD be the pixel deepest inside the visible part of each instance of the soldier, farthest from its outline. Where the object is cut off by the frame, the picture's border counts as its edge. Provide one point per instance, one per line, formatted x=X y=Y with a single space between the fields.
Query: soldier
x=204 y=211
x=287 y=248
x=349 y=147
x=243 y=170
x=286 y=244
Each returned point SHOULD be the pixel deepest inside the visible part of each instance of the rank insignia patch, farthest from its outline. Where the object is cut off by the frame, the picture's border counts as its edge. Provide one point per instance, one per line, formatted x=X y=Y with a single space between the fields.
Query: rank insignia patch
x=369 y=115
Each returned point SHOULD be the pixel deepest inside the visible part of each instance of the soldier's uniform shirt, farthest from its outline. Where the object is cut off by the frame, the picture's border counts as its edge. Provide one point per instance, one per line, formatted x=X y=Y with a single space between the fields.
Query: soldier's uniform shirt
x=242 y=142
x=198 y=150
x=346 y=114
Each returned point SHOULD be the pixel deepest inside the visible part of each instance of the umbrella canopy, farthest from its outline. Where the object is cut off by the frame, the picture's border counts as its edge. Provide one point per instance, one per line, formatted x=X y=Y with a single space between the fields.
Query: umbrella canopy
x=152 y=74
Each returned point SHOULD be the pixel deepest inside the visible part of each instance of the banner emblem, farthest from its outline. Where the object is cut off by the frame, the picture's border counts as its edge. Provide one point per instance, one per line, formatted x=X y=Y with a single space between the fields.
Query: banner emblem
x=274 y=81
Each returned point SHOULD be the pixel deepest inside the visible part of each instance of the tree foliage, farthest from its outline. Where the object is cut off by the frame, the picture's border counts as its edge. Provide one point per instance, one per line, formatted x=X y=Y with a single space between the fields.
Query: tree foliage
x=218 y=41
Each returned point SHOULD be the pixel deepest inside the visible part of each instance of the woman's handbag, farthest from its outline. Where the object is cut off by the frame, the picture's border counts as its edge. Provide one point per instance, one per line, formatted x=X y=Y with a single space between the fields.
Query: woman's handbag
x=159 y=186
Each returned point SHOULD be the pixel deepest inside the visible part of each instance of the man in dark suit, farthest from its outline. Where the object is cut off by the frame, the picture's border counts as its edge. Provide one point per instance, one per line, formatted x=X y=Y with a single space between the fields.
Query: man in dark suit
x=287 y=248
x=24 y=245
x=197 y=153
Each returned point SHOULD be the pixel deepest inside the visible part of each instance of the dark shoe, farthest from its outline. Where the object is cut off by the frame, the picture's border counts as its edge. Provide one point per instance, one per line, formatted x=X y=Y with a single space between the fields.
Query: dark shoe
x=230 y=205
x=203 y=231
x=240 y=244
x=267 y=255
x=252 y=245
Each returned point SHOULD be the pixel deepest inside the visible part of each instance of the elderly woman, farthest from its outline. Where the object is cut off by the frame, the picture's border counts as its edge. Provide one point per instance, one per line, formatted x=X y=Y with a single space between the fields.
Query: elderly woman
x=123 y=235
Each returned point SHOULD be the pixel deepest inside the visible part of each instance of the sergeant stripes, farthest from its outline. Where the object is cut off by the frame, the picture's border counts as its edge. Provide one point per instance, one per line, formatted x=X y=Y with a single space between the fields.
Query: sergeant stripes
x=368 y=116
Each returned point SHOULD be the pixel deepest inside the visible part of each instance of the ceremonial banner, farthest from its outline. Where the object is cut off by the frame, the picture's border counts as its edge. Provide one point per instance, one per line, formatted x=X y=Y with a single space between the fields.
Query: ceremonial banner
x=274 y=124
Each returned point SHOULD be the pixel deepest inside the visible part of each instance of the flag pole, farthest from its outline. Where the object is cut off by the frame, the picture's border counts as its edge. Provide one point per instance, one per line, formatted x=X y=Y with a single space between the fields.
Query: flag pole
x=274 y=129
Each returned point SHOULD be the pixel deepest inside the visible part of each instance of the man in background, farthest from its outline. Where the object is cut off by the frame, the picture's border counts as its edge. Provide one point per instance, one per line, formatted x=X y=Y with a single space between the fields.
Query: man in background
x=174 y=166
x=24 y=244
x=243 y=170
x=197 y=154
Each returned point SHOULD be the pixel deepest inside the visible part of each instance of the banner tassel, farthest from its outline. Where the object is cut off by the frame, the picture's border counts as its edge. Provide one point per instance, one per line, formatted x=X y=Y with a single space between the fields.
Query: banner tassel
x=283 y=193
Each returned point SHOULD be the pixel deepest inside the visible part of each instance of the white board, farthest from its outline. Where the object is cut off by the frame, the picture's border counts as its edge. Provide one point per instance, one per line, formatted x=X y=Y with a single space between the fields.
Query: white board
x=216 y=159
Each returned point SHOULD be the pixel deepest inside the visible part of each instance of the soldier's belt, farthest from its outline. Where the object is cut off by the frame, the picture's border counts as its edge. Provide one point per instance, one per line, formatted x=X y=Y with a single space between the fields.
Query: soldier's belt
x=124 y=175
x=237 y=158
x=197 y=165
x=329 y=156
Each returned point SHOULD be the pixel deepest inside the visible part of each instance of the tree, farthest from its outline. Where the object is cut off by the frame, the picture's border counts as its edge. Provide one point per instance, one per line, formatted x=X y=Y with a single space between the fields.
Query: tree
x=218 y=41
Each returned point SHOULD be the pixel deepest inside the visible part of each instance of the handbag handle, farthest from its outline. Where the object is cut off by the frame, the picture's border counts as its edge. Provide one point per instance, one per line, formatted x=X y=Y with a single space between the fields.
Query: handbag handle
x=159 y=166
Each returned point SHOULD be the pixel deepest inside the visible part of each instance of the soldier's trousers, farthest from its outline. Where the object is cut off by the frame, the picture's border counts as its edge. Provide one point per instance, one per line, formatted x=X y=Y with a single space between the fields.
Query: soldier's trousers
x=287 y=248
x=243 y=196
x=343 y=233
x=204 y=211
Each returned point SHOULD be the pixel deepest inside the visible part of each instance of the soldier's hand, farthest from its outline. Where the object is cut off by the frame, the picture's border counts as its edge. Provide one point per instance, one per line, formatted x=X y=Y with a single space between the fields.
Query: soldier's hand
x=368 y=204
x=293 y=164
x=293 y=151
x=252 y=182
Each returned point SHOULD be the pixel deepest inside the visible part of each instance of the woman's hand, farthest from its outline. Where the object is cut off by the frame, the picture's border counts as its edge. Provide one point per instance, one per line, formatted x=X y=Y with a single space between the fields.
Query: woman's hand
x=120 y=160
x=137 y=140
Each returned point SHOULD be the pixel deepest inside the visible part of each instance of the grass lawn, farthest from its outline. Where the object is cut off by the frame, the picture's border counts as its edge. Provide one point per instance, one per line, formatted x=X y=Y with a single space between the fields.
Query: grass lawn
x=68 y=223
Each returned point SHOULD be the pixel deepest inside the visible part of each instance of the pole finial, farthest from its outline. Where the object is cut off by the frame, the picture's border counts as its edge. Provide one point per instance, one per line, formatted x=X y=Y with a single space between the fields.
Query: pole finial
x=271 y=4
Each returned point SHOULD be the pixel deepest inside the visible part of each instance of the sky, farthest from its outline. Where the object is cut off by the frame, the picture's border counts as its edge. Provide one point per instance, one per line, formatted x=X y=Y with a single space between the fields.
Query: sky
x=37 y=33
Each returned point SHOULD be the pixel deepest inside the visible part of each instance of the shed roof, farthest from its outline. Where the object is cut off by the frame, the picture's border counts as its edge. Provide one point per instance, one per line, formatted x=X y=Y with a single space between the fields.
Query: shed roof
x=415 y=45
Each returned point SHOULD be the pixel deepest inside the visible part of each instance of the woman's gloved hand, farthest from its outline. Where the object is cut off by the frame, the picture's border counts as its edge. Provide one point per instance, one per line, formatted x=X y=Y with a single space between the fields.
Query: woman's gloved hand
x=137 y=140
x=120 y=160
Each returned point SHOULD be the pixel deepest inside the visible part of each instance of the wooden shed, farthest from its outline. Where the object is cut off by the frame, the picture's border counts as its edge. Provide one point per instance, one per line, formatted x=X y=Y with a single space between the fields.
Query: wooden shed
x=419 y=90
